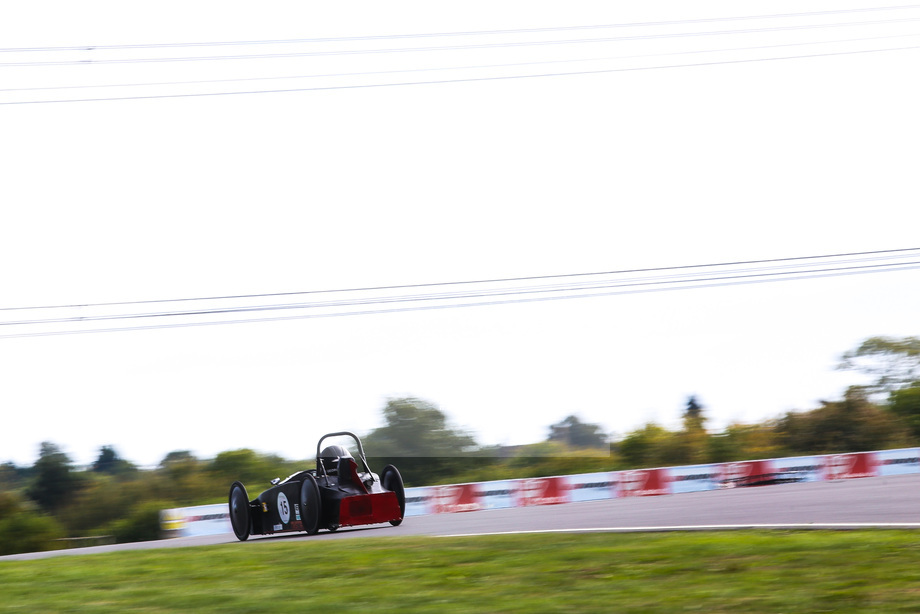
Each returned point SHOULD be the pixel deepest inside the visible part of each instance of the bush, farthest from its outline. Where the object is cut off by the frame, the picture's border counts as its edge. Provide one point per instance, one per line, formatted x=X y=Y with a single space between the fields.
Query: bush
x=141 y=525
x=28 y=531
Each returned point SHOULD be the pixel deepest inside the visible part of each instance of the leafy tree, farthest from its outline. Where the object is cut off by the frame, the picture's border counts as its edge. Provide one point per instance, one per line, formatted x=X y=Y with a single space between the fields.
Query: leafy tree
x=573 y=432
x=103 y=499
x=554 y=458
x=182 y=479
x=693 y=412
x=55 y=480
x=743 y=442
x=24 y=529
x=142 y=524
x=691 y=445
x=905 y=403
x=894 y=363
x=854 y=424
x=8 y=504
x=11 y=476
x=417 y=428
x=247 y=466
x=244 y=465
x=644 y=447
x=722 y=448
x=28 y=532
x=178 y=457
x=417 y=439
x=109 y=462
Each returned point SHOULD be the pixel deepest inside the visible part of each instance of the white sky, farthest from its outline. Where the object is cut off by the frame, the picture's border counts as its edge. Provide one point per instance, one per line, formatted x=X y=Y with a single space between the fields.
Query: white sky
x=163 y=198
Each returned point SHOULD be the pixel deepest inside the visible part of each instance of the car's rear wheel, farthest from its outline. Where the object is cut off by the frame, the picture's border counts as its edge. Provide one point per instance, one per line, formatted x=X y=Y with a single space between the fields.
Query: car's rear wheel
x=239 y=511
x=392 y=480
x=311 y=506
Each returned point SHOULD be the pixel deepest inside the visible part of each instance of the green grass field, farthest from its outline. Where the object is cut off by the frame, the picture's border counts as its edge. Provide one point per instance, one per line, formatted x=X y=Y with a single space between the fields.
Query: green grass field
x=771 y=571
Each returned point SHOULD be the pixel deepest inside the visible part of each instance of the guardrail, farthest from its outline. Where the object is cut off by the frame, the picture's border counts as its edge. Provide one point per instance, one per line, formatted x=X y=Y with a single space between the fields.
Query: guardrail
x=499 y=494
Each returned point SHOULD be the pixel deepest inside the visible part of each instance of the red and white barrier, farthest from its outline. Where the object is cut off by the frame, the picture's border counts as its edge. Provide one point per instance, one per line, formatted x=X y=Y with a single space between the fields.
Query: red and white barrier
x=454 y=498
x=655 y=481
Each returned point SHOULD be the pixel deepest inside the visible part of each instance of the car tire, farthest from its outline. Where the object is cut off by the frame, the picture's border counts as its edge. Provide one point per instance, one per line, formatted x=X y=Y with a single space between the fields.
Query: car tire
x=311 y=506
x=239 y=511
x=391 y=480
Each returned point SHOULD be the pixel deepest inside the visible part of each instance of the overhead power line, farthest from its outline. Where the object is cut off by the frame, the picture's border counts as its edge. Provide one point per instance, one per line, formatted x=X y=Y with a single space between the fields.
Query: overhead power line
x=338 y=39
x=903 y=252
x=368 y=73
x=733 y=277
x=466 y=47
x=427 y=51
x=483 y=292
x=461 y=80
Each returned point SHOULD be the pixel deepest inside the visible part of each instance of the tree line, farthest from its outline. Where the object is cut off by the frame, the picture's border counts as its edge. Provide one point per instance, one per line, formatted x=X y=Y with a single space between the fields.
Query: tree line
x=884 y=413
x=44 y=505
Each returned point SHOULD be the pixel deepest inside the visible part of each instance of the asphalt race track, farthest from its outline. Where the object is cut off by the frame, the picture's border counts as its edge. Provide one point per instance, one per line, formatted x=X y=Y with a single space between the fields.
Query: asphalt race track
x=893 y=501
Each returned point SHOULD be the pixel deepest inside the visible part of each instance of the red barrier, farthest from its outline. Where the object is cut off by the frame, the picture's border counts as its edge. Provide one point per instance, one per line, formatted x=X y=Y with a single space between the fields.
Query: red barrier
x=848 y=466
x=459 y=498
x=542 y=491
x=643 y=483
x=744 y=470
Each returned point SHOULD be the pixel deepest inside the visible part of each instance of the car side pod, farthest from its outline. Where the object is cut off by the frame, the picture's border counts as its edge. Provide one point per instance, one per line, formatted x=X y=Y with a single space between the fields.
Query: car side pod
x=240 y=516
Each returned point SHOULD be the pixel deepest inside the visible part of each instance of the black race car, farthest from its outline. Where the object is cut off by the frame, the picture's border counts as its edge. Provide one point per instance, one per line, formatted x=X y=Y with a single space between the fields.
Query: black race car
x=338 y=493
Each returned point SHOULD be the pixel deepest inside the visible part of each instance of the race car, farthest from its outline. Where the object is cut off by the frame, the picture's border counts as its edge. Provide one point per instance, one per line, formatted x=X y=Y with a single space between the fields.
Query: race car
x=338 y=493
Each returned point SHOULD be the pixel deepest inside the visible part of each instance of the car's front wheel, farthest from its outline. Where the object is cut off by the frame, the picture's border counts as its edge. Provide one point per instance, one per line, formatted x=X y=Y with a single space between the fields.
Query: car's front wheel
x=391 y=480
x=239 y=511
x=311 y=506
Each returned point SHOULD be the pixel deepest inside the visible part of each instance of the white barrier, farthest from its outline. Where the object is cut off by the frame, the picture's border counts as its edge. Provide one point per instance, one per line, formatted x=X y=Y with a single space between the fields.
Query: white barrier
x=501 y=494
x=196 y=521
x=591 y=486
x=809 y=468
x=899 y=462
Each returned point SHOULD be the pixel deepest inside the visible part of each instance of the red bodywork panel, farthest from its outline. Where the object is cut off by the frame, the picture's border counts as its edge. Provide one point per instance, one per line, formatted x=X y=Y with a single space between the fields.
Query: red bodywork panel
x=369 y=509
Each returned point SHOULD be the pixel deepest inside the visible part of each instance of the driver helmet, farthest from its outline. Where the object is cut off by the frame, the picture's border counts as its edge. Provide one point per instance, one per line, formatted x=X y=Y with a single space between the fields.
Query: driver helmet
x=330 y=456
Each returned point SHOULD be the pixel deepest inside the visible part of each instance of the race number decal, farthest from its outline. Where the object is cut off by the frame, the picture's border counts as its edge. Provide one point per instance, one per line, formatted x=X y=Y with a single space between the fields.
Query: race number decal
x=284 y=508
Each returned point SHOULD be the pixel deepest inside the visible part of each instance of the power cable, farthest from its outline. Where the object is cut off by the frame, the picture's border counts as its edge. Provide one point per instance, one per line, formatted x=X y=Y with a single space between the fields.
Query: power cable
x=447 y=68
x=90 y=47
x=465 y=295
x=460 y=80
x=716 y=284
x=477 y=46
x=724 y=276
x=906 y=252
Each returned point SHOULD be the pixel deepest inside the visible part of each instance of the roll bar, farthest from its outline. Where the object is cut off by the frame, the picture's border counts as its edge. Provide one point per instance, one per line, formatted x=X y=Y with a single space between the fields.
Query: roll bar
x=319 y=444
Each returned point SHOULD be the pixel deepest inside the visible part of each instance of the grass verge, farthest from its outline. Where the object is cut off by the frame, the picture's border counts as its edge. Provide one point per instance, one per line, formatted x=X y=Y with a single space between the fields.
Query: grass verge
x=808 y=571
